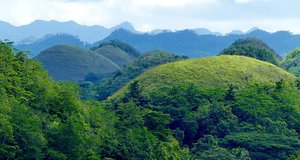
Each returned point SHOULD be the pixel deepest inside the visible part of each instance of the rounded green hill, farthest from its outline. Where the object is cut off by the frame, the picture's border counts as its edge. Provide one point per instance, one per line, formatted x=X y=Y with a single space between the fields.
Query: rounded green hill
x=212 y=72
x=253 y=47
x=66 y=62
x=115 y=54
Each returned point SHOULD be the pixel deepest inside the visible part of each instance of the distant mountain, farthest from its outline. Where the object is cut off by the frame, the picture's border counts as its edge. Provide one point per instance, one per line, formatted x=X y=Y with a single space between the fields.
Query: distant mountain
x=253 y=29
x=40 y=28
x=48 y=41
x=204 y=31
x=252 y=47
x=125 y=25
x=188 y=43
x=66 y=62
x=236 y=32
x=119 y=52
x=184 y=42
x=158 y=31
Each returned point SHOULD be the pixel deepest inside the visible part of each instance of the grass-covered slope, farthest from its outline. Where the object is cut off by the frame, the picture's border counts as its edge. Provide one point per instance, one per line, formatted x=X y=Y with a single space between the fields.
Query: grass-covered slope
x=107 y=86
x=65 y=62
x=292 y=62
x=252 y=47
x=223 y=107
x=119 y=52
x=212 y=72
x=115 y=54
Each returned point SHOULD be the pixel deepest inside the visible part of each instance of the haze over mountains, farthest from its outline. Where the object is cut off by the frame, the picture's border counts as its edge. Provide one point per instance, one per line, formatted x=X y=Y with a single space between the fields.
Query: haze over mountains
x=199 y=42
x=40 y=28
x=188 y=43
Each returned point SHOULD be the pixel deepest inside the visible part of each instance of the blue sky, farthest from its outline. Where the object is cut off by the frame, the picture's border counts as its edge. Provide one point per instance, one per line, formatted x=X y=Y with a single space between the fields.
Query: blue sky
x=145 y=15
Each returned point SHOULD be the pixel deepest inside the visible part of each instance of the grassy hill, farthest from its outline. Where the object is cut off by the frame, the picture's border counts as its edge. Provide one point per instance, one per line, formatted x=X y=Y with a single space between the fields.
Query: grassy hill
x=223 y=107
x=252 y=47
x=119 y=52
x=212 y=72
x=66 y=62
x=107 y=86
x=117 y=55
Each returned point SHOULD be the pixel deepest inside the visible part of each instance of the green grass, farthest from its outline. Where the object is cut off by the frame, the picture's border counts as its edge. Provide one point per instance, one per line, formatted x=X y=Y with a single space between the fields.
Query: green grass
x=115 y=54
x=211 y=72
x=66 y=62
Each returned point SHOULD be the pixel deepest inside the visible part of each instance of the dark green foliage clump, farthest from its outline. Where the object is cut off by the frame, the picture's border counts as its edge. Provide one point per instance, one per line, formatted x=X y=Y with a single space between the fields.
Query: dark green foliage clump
x=253 y=47
x=107 y=86
x=41 y=119
x=259 y=122
x=291 y=62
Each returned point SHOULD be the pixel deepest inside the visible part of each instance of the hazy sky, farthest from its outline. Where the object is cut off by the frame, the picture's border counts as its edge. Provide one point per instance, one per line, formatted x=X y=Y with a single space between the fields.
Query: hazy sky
x=216 y=15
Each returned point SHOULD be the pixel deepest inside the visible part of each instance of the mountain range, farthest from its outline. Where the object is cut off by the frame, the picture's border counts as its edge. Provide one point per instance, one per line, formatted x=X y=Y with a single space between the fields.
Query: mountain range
x=191 y=44
x=40 y=28
x=199 y=42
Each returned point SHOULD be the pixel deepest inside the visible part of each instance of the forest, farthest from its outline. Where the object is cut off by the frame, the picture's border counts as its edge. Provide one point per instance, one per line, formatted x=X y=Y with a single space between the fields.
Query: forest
x=205 y=108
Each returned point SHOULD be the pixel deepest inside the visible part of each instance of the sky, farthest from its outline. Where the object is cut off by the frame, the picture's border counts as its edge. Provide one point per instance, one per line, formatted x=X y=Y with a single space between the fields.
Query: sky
x=216 y=15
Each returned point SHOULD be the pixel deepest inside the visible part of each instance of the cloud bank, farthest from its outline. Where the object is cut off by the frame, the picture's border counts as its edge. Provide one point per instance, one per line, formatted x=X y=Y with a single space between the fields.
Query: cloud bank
x=217 y=15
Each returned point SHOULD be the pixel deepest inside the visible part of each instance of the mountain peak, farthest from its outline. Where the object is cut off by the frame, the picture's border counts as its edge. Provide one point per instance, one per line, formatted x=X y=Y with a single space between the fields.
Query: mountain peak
x=204 y=31
x=236 y=32
x=125 y=25
x=253 y=29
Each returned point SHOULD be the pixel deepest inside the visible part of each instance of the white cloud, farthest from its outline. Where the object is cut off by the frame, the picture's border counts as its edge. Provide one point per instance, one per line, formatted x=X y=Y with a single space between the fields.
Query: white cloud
x=242 y=1
x=218 y=15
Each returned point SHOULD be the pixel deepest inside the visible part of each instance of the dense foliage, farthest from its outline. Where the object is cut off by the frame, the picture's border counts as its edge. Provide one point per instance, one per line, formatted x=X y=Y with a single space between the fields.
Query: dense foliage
x=229 y=117
x=292 y=62
x=252 y=47
x=100 y=89
x=41 y=119
x=255 y=118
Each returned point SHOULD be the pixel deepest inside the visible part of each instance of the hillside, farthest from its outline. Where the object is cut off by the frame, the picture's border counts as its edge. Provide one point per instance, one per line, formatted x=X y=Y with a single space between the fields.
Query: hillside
x=48 y=41
x=41 y=119
x=65 y=62
x=212 y=72
x=189 y=43
x=107 y=86
x=241 y=108
x=117 y=51
x=252 y=47
x=291 y=62
x=224 y=107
